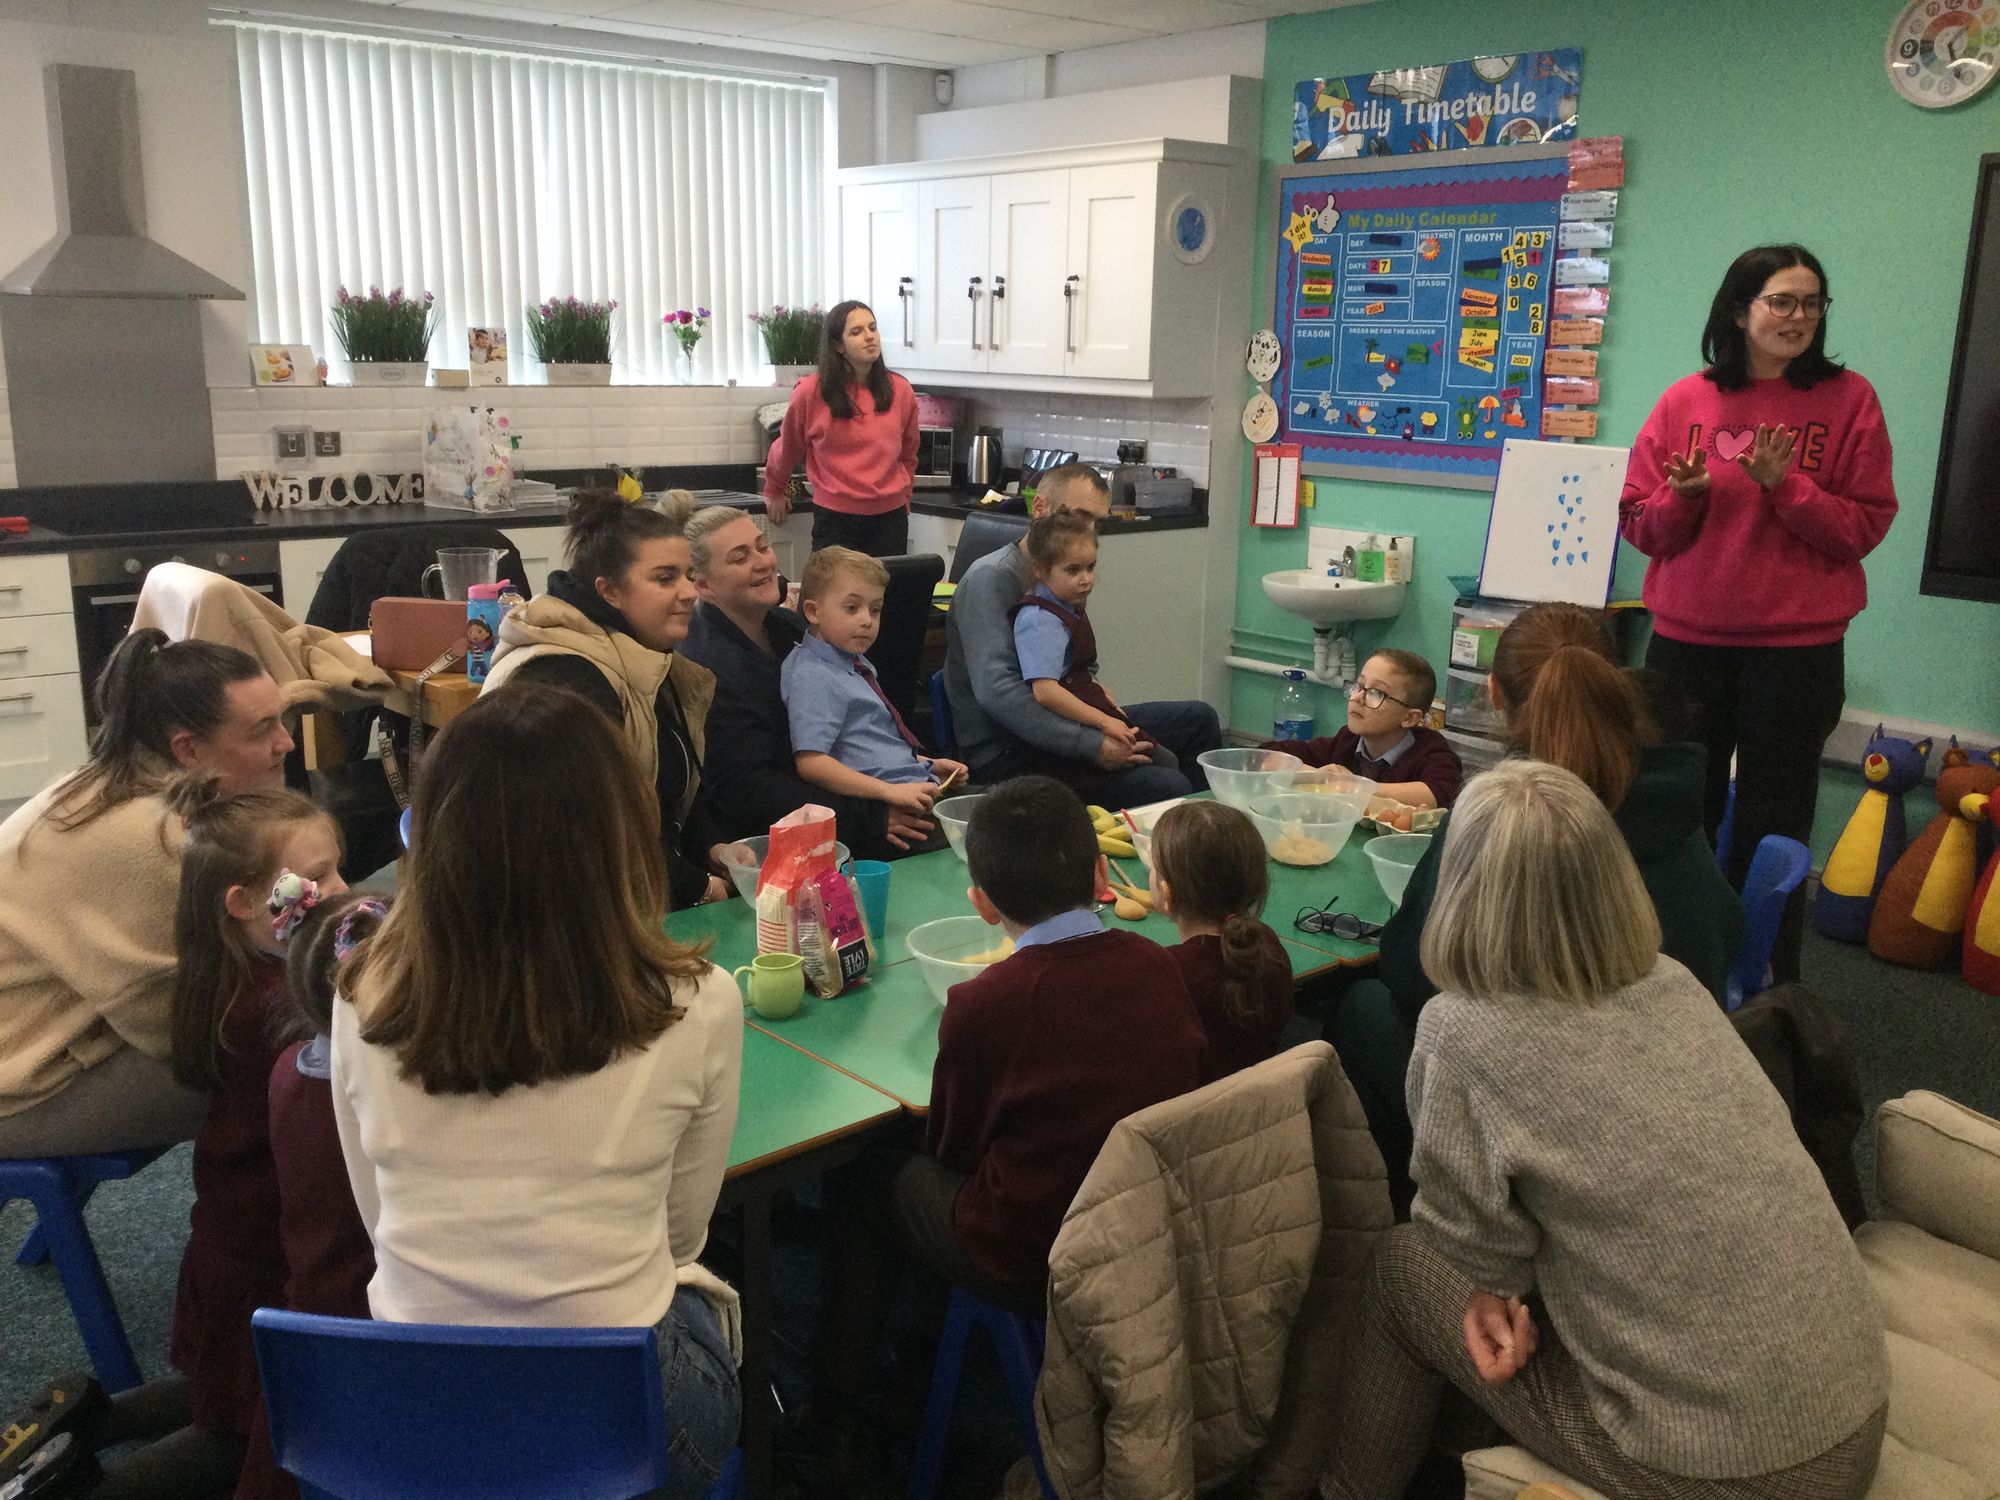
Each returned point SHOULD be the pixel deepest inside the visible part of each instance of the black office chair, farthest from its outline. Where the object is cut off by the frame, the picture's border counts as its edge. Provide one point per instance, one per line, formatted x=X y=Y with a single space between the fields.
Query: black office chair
x=898 y=652
x=981 y=534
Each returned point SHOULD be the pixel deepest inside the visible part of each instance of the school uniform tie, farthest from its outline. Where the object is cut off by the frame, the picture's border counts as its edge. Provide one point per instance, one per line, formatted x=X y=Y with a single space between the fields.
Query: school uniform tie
x=861 y=669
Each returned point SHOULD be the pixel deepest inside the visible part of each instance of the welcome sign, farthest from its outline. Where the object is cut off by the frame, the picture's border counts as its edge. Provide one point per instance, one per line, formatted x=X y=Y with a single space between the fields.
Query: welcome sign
x=1516 y=100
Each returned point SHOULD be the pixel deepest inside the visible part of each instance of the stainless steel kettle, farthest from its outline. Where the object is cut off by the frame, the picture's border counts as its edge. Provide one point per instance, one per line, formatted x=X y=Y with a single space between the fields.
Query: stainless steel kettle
x=982 y=459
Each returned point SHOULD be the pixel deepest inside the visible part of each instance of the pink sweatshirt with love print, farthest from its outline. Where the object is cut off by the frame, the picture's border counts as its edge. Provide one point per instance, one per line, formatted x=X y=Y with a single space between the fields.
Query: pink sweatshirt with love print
x=1746 y=566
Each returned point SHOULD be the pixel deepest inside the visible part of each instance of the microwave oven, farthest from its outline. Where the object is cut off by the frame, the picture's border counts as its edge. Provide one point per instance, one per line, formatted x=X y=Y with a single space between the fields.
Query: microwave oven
x=936 y=447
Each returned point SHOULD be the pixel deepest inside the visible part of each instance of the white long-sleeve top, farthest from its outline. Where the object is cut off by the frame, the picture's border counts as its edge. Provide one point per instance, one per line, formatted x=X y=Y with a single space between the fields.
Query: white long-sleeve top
x=565 y=1204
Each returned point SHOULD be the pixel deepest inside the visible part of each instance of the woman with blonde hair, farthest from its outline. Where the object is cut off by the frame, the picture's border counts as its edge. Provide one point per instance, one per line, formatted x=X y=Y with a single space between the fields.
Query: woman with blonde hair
x=1568 y=702
x=535 y=1087
x=1656 y=1320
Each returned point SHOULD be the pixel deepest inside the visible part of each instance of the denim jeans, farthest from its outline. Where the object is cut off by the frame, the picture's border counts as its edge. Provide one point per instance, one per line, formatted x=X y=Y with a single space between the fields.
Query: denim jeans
x=1187 y=728
x=704 y=1399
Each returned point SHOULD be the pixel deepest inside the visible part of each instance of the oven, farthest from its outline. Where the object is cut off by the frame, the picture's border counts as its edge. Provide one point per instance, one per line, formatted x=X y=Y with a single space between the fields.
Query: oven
x=104 y=592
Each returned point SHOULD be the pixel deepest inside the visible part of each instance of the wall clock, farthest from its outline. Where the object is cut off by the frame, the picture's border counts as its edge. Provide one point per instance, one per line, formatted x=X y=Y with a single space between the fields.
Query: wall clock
x=1191 y=228
x=1942 y=52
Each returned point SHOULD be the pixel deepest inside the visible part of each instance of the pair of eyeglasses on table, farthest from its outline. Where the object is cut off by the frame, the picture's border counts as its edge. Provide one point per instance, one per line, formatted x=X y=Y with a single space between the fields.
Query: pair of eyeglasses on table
x=1340 y=924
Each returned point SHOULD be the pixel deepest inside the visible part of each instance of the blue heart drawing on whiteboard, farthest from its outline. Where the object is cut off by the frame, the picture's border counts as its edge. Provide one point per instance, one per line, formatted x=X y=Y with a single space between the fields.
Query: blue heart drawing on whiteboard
x=1569 y=503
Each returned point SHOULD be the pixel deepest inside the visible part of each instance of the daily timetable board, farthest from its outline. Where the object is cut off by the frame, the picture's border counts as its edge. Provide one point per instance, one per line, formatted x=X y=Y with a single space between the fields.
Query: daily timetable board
x=1412 y=299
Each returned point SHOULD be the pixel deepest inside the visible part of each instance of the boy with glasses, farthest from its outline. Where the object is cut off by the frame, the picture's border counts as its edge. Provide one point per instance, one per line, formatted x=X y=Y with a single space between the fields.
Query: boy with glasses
x=1386 y=738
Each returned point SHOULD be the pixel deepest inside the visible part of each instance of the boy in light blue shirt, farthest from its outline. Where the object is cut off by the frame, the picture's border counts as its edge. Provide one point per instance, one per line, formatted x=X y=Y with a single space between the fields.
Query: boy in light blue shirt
x=846 y=735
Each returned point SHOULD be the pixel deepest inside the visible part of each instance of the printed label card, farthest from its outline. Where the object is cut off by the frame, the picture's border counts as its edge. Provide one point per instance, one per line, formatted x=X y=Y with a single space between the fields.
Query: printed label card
x=1582 y=270
x=1569 y=423
x=1584 y=234
x=1582 y=301
x=1573 y=362
x=1570 y=391
x=1577 y=331
x=1589 y=205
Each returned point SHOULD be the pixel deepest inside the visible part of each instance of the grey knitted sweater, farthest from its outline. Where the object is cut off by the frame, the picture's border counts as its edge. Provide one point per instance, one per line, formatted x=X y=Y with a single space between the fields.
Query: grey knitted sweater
x=1630 y=1162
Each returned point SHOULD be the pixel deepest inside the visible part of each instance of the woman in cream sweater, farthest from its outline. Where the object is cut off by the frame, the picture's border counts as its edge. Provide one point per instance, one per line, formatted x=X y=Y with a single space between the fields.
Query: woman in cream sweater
x=89 y=874
x=535 y=1088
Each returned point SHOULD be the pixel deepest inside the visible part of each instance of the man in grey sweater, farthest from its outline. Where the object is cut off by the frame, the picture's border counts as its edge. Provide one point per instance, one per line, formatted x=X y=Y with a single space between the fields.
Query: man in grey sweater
x=995 y=718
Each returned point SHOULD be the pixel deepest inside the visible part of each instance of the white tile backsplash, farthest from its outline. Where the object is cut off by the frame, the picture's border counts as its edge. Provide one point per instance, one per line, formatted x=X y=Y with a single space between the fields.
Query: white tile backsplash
x=561 y=427
x=7 y=479
x=1175 y=432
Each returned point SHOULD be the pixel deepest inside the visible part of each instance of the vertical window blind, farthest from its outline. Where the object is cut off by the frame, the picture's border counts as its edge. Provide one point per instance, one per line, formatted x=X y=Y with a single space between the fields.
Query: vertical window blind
x=497 y=180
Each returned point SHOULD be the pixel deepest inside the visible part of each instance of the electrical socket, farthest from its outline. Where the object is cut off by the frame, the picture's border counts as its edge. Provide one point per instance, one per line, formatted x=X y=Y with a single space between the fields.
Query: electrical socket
x=325 y=444
x=294 y=443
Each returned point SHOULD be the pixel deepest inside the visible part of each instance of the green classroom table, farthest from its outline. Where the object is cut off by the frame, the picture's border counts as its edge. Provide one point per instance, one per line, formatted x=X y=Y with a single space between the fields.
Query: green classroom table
x=821 y=1085
x=797 y=1118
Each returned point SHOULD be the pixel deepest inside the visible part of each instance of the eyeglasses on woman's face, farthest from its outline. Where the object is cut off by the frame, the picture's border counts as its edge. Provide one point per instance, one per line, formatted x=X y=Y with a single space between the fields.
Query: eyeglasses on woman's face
x=1374 y=697
x=1784 y=304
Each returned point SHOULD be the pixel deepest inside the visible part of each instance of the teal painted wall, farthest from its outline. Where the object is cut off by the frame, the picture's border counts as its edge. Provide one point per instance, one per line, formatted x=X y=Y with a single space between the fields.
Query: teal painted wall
x=1743 y=124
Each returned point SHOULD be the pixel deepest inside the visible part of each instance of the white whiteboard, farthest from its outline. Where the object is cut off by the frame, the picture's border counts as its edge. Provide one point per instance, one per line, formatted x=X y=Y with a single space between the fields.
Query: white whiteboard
x=1553 y=533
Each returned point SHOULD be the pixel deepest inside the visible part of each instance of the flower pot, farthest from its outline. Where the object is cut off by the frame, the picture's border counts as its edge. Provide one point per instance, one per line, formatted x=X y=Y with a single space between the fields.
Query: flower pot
x=388 y=372
x=578 y=374
x=788 y=376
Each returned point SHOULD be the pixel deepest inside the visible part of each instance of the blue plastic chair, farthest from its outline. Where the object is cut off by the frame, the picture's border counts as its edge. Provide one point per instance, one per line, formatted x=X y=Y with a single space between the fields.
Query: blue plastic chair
x=58 y=1187
x=1018 y=1340
x=1778 y=870
x=941 y=735
x=1726 y=829
x=382 y=1411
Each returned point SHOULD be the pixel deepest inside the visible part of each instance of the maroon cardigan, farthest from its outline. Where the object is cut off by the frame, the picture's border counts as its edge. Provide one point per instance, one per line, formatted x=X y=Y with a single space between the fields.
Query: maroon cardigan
x=1234 y=1041
x=1038 y=1057
x=1430 y=760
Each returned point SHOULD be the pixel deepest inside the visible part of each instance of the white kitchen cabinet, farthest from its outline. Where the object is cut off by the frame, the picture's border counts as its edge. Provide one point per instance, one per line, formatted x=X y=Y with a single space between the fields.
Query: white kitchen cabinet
x=1055 y=265
x=878 y=256
x=954 y=217
x=541 y=549
x=301 y=565
x=1028 y=240
x=1109 y=285
x=937 y=535
x=42 y=733
x=42 y=729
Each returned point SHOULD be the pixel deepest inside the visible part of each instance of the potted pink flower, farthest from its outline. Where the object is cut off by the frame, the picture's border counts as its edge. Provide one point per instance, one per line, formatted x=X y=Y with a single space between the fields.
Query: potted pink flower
x=386 y=337
x=572 y=339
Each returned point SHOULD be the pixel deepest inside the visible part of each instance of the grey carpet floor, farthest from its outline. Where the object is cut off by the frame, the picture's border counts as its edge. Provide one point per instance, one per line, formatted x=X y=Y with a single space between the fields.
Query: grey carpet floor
x=1909 y=1030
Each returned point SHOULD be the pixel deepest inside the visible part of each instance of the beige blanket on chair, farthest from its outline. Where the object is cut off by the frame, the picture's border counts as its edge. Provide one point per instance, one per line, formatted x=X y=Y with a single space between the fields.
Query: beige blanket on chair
x=313 y=667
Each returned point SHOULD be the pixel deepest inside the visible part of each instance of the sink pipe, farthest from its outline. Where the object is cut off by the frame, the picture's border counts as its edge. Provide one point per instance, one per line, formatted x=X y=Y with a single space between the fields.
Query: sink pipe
x=1325 y=668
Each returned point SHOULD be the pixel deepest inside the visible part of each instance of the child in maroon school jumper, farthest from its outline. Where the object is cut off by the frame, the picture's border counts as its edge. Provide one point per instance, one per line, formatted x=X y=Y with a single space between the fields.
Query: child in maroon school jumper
x=1038 y=1057
x=328 y=1258
x=1386 y=739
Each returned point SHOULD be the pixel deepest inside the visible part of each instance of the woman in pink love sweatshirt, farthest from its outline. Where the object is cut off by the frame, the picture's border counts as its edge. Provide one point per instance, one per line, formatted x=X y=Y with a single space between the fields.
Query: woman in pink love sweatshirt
x=1756 y=488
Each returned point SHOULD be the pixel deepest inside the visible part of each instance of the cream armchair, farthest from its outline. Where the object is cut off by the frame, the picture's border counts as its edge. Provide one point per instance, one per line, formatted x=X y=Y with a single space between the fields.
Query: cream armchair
x=1934 y=1259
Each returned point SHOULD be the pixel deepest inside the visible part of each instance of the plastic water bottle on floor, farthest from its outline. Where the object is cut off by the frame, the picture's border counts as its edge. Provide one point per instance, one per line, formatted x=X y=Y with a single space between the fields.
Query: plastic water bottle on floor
x=1292 y=716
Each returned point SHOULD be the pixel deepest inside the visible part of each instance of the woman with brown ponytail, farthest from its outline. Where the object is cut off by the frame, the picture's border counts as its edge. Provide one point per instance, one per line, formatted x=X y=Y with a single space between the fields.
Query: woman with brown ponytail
x=89 y=876
x=1567 y=702
x=1209 y=876
x=609 y=629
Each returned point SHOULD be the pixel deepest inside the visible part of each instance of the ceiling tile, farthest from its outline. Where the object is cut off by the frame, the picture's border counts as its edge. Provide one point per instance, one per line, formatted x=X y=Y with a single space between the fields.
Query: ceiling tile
x=1030 y=31
x=491 y=12
x=918 y=47
x=701 y=15
x=1168 y=16
x=1263 y=9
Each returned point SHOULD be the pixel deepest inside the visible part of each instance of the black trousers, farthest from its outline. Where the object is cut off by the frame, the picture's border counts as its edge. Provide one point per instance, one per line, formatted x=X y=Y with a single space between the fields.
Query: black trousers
x=886 y=535
x=890 y=1208
x=1771 y=708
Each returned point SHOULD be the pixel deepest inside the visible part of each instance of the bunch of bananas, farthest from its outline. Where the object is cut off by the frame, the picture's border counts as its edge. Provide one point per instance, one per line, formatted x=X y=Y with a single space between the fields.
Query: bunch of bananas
x=1112 y=836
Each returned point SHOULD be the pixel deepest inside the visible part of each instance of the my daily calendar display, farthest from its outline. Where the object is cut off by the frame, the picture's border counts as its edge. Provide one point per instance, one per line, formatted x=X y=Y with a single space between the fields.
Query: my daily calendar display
x=1412 y=299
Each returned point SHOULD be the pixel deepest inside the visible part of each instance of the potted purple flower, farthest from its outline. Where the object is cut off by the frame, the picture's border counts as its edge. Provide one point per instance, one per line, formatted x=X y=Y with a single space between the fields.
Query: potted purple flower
x=791 y=340
x=572 y=339
x=386 y=338
x=687 y=327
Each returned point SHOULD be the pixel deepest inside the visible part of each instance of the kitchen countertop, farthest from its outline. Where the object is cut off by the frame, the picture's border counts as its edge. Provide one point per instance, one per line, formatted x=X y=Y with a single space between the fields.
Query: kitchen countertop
x=80 y=518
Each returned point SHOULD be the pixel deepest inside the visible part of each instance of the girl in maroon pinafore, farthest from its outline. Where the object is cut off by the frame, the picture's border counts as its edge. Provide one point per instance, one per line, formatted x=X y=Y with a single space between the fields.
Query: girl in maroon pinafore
x=247 y=858
x=328 y=1259
x=1058 y=649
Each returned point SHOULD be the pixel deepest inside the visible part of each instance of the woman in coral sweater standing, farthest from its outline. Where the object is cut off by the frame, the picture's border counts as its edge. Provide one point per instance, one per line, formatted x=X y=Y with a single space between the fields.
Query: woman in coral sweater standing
x=854 y=425
x=1756 y=488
